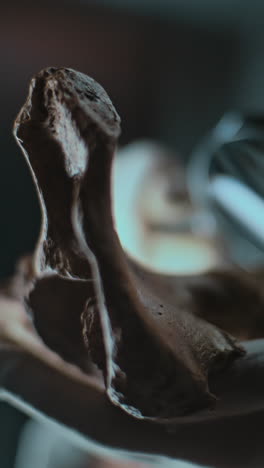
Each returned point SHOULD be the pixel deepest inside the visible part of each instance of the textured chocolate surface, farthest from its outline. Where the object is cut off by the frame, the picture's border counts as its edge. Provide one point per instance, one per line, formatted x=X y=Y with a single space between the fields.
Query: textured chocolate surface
x=155 y=354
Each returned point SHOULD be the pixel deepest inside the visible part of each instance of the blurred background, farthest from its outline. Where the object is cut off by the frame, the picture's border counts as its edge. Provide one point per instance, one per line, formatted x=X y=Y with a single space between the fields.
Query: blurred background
x=172 y=69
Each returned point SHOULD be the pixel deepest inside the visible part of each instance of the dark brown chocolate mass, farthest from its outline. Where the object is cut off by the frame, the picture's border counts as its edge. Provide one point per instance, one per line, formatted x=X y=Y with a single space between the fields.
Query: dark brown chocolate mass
x=155 y=353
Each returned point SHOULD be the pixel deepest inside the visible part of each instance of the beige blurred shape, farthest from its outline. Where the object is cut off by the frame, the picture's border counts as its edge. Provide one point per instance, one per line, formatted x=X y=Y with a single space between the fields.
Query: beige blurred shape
x=156 y=222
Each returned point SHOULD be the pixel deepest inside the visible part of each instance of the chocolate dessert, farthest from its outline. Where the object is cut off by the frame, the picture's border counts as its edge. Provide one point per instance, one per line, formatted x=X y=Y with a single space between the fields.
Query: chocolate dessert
x=99 y=308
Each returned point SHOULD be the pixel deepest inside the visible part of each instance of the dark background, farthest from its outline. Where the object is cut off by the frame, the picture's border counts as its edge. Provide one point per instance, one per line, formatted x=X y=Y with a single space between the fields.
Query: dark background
x=170 y=78
x=172 y=68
